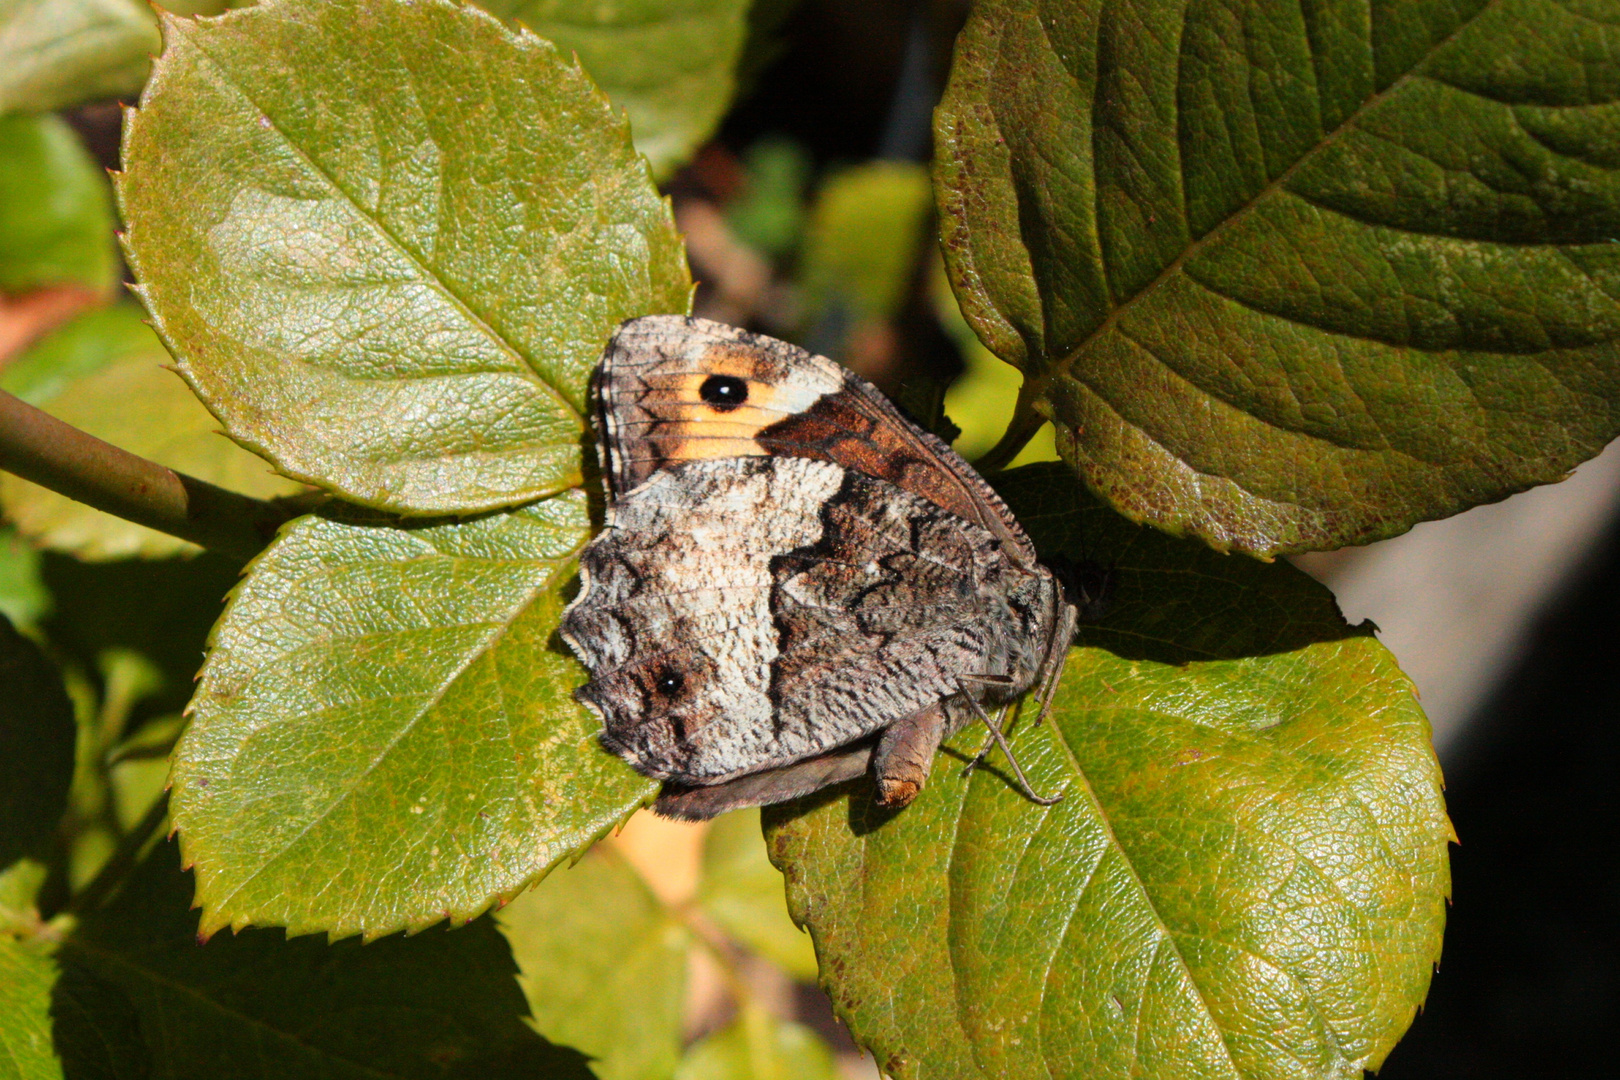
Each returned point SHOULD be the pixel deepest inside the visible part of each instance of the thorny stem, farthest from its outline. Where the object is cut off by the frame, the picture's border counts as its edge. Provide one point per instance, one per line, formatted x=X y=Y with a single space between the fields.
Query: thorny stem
x=38 y=447
x=1021 y=428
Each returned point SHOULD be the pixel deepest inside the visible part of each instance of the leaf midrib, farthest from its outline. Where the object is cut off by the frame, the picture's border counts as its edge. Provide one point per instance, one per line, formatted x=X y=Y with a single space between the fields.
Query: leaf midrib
x=1039 y=385
x=492 y=641
x=1167 y=935
x=523 y=366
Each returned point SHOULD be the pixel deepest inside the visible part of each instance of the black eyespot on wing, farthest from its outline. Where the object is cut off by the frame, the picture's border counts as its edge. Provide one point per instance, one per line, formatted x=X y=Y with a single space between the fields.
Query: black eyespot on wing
x=723 y=392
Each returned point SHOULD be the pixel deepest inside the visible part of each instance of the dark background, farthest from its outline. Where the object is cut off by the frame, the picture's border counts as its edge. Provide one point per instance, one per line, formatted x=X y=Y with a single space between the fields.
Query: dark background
x=1527 y=984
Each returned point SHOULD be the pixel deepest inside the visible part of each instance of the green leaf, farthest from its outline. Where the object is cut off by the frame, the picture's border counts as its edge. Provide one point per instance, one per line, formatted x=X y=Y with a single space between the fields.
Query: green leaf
x=23 y=596
x=20 y=884
x=36 y=745
x=769 y=213
x=1292 y=277
x=384 y=734
x=26 y=974
x=386 y=264
x=742 y=894
x=139 y=996
x=56 y=220
x=104 y=373
x=56 y=53
x=758 y=1046
x=1246 y=876
x=860 y=249
x=670 y=64
x=603 y=966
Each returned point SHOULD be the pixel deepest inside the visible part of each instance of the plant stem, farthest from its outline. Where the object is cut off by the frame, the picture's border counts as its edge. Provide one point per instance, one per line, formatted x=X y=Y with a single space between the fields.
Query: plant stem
x=1021 y=428
x=40 y=448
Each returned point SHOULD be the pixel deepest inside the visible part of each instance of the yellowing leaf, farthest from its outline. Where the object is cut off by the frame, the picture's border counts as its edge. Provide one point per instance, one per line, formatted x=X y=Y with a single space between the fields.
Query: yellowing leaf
x=387 y=264
x=1246 y=876
x=384 y=734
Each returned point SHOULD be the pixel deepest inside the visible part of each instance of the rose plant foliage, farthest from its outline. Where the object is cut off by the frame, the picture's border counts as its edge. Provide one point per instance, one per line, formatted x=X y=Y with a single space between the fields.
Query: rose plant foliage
x=1282 y=277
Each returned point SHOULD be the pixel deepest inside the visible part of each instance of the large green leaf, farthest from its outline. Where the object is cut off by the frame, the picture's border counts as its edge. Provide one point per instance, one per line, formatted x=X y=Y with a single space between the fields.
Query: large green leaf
x=1295 y=276
x=36 y=745
x=604 y=966
x=56 y=218
x=139 y=996
x=384 y=733
x=105 y=373
x=1246 y=876
x=26 y=974
x=386 y=263
x=55 y=53
x=670 y=64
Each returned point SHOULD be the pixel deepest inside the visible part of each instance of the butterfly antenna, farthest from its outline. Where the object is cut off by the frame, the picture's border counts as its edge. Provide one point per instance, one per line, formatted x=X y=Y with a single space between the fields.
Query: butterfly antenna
x=997 y=739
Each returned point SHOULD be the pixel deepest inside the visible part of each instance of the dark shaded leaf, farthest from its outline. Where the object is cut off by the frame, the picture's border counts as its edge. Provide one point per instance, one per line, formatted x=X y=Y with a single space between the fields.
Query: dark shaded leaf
x=55 y=209
x=104 y=373
x=55 y=53
x=36 y=745
x=1246 y=876
x=671 y=64
x=139 y=996
x=1293 y=277
x=161 y=609
x=384 y=734
x=385 y=264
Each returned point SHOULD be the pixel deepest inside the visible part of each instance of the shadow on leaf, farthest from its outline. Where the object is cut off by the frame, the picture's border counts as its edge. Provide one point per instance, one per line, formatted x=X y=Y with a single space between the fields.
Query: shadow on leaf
x=139 y=994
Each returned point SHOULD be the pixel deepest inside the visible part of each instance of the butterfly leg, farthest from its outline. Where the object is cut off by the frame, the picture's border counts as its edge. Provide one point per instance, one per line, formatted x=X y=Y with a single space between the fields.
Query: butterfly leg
x=905 y=753
x=998 y=739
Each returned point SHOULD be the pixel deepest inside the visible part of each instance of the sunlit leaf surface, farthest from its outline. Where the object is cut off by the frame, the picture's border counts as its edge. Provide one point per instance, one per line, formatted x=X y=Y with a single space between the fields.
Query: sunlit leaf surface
x=671 y=64
x=384 y=734
x=386 y=264
x=56 y=53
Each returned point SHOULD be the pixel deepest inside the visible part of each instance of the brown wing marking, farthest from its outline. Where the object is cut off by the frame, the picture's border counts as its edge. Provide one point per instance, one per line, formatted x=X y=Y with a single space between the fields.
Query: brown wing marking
x=860 y=430
x=649 y=391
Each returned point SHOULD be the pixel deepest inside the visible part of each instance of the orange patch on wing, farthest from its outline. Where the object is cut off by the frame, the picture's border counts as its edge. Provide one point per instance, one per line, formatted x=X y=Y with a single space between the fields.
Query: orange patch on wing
x=687 y=428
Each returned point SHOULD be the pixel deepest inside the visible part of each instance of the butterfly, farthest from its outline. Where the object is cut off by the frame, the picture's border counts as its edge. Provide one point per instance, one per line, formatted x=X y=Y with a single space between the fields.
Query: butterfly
x=795 y=584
